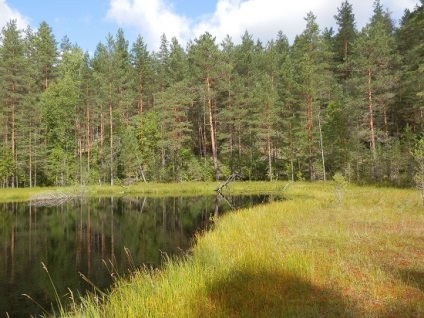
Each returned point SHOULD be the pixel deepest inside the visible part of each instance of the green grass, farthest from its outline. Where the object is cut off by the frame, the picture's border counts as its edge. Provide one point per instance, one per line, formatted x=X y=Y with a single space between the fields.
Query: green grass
x=359 y=254
x=141 y=189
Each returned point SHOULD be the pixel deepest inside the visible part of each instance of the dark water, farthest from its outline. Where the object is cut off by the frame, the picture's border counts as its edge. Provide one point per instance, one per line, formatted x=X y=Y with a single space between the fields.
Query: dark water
x=100 y=238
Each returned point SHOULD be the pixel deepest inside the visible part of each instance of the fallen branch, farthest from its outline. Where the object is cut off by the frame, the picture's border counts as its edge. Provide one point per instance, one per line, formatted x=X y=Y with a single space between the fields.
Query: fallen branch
x=55 y=198
x=231 y=178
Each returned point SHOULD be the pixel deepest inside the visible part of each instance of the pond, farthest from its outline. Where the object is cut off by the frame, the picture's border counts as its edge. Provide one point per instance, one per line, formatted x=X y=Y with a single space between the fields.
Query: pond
x=82 y=245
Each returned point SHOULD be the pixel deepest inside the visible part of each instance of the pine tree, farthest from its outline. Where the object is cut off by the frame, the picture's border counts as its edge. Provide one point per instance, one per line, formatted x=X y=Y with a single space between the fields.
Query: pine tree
x=205 y=61
x=228 y=116
x=373 y=81
x=312 y=57
x=103 y=82
x=114 y=98
x=266 y=116
x=12 y=89
x=30 y=145
x=172 y=108
x=344 y=39
x=246 y=69
x=46 y=55
x=409 y=37
x=57 y=103
x=142 y=63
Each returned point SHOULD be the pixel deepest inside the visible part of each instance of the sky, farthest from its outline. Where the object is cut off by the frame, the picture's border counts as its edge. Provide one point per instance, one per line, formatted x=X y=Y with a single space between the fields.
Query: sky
x=88 y=22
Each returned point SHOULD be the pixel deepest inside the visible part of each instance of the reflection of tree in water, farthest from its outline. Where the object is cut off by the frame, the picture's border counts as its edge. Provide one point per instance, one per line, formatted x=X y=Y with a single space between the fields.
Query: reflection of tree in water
x=84 y=235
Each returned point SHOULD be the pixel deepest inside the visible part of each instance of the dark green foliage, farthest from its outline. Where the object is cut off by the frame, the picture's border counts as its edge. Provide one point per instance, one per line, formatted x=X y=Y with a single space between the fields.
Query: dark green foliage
x=346 y=101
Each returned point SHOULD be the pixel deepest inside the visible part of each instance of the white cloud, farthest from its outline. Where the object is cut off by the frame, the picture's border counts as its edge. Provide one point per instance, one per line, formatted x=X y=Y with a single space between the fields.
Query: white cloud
x=7 y=14
x=261 y=18
x=151 y=17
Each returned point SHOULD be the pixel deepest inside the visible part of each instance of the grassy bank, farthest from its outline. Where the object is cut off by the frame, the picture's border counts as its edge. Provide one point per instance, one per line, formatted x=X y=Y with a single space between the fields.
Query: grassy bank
x=141 y=189
x=326 y=252
x=358 y=252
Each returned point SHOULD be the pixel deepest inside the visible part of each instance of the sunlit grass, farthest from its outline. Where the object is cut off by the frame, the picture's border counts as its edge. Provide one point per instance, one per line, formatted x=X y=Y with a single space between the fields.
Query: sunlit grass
x=319 y=254
x=142 y=189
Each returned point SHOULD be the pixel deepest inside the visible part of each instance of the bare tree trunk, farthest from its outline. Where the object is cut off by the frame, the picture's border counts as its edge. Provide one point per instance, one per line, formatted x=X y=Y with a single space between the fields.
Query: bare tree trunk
x=321 y=146
x=140 y=96
x=87 y=128
x=309 y=128
x=111 y=142
x=383 y=106
x=30 y=159
x=268 y=142
x=13 y=132
x=371 y=117
x=212 y=131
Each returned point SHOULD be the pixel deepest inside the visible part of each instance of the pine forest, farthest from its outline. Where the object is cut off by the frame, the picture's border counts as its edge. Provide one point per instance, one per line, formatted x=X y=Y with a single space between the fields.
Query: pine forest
x=340 y=100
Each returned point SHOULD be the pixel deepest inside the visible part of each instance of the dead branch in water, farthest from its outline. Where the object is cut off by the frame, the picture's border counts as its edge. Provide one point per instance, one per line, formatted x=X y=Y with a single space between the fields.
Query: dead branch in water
x=231 y=178
x=56 y=197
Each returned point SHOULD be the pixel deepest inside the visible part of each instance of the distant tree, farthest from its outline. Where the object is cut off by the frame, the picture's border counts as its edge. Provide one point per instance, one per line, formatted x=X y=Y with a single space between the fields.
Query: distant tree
x=13 y=74
x=31 y=135
x=266 y=116
x=142 y=64
x=205 y=60
x=172 y=107
x=148 y=136
x=312 y=57
x=130 y=159
x=57 y=102
x=247 y=68
x=114 y=98
x=344 y=39
x=418 y=154
x=46 y=53
x=409 y=38
x=227 y=116
x=373 y=82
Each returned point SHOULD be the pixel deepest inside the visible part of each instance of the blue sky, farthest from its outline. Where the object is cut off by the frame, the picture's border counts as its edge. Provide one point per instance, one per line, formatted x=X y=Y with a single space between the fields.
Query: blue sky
x=88 y=22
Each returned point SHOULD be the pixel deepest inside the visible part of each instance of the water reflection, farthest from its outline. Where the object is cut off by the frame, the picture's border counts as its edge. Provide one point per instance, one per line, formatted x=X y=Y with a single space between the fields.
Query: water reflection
x=91 y=237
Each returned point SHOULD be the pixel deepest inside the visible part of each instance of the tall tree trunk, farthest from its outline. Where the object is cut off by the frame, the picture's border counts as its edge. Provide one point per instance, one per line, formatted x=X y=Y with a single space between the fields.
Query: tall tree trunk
x=268 y=143
x=386 y=130
x=346 y=56
x=13 y=134
x=140 y=96
x=371 y=117
x=111 y=141
x=87 y=128
x=291 y=151
x=309 y=128
x=212 y=130
x=30 y=159
x=321 y=145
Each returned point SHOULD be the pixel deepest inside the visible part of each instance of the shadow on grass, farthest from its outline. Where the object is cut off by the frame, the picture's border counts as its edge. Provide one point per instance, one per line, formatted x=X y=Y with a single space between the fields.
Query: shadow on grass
x=414 y=278
x=266 y=294
x=411 y=301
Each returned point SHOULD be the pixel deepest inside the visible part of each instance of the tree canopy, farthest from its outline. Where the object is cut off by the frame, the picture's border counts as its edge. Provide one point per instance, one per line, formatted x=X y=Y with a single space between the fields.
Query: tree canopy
x=347 y=101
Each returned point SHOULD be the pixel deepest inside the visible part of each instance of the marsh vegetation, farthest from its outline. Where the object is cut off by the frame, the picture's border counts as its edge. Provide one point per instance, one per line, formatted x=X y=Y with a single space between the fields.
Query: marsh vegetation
x=310 y=256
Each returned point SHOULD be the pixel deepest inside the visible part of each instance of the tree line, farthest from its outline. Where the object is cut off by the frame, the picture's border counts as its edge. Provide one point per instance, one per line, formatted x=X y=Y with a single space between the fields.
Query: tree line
x=346 y=100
